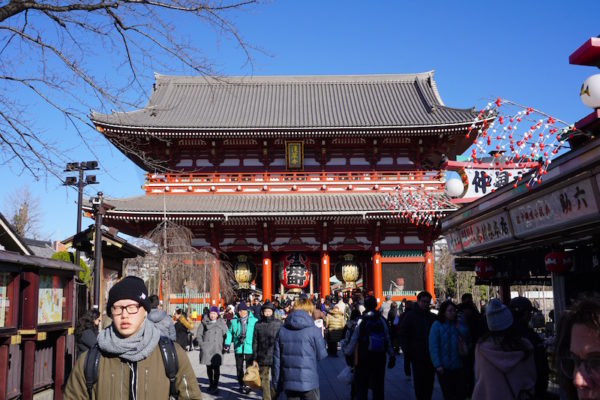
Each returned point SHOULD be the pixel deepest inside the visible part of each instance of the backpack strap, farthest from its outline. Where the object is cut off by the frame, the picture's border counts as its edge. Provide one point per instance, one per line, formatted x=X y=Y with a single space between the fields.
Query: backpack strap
x=90 y=368
x=169 y=356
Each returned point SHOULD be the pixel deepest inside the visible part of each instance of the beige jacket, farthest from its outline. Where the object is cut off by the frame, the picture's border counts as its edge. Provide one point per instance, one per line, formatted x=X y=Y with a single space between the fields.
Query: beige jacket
x=152 y=381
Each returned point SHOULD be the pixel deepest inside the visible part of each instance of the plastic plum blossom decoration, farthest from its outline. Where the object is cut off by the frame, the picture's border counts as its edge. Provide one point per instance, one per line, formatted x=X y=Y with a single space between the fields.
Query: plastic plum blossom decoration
x=418 y=207
x=517 y=135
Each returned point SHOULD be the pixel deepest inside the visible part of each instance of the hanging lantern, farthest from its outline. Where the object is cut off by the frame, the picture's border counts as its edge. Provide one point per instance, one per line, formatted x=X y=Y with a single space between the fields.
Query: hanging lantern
x=295 y=271
x=484 y=269
x=349 y=271
x=590 y=91
x=558 y=261
x=242 y=271
x=454 y=187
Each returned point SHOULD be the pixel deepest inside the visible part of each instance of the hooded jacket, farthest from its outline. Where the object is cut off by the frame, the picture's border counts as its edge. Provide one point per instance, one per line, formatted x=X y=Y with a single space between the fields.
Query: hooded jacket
x=241 y=345
x=298 y=347
x=496 y=369
x=163 y=322
x=263 y=342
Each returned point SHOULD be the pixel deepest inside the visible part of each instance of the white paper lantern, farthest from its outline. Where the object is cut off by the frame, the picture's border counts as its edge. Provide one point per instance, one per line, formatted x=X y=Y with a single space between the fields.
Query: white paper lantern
x=454 y=187
x=590 y=91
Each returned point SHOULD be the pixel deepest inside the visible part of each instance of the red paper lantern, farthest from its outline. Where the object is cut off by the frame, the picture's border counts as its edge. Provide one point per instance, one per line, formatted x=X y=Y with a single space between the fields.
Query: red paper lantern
x=558 y=261
x=484 y=269
x=295 y=272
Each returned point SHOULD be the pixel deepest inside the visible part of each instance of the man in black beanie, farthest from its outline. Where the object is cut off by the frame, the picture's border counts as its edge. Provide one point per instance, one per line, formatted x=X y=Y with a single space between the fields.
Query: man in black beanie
x=130 y=364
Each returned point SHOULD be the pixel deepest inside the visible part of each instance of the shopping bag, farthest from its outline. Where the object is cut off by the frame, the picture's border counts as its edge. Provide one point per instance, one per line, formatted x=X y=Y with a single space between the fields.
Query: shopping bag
x=252 y=377
x=346 y=376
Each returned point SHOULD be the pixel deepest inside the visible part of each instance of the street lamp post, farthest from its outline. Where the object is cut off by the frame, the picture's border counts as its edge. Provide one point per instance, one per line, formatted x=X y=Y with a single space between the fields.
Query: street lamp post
x=80 y=182
x=99 y=208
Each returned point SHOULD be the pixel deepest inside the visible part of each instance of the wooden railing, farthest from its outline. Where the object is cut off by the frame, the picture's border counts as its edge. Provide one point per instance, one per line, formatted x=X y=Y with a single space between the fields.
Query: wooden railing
x=283 y=181
x=267 y=177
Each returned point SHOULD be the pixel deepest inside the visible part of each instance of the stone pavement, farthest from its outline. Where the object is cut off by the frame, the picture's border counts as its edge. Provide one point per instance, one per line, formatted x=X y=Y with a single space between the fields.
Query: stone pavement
x=397 y=385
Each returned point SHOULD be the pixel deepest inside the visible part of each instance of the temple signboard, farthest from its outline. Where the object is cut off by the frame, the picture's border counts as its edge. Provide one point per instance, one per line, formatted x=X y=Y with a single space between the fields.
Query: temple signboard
x=556 y=209
x=294 y=155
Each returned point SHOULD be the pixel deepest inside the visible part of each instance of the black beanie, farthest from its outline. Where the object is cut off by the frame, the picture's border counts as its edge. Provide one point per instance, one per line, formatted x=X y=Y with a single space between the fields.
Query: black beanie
x=130 y=288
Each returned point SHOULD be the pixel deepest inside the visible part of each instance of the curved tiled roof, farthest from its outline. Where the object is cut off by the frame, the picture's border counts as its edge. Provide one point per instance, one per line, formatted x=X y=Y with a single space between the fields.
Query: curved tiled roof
x=247 y=205
x=291 y=102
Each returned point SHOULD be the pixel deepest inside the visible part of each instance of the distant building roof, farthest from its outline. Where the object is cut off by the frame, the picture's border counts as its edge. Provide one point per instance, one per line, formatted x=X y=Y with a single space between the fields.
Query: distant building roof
x=111 y=243
x=40 y=248
x=180 y=104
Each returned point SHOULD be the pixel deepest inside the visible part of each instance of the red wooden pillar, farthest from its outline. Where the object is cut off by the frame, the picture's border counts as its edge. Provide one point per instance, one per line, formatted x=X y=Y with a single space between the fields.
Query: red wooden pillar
x=325 y=289
x=214 y=283
x=59 y=366
x=266 y=276
x=377 y=284
x=4 y=371
x=428 y=280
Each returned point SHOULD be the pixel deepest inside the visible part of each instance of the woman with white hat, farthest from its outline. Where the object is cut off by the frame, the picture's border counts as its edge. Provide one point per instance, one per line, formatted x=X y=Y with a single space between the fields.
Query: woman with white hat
x=504 y=366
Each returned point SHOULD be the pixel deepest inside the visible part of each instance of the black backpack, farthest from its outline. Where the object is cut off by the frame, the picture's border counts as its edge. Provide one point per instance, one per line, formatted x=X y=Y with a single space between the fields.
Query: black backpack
x=167 y=351
x=372 y=334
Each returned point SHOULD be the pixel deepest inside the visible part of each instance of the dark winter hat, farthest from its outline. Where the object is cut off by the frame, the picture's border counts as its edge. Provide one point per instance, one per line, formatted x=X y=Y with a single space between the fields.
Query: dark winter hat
x=214 y=309
x=242 y=306
x=268 y=304
x=130 y=288
x=499 y=317
x=520 y=305
x=370 y=303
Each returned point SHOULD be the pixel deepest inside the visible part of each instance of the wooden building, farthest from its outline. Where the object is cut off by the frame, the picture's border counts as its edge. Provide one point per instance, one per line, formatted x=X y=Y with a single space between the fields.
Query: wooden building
x=283 y=173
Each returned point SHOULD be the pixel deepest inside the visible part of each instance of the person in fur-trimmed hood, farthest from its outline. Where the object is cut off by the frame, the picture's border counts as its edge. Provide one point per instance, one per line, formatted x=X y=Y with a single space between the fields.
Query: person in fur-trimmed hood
x=130 y=364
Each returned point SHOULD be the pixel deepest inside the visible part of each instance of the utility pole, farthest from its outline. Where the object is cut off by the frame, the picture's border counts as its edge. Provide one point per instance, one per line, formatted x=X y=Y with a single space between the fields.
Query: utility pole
x=80 y=183
x=99 y=208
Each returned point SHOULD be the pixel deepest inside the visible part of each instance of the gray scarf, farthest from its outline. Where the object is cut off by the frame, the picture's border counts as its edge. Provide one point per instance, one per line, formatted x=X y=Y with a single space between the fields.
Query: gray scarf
x=134 y=348
x=243 y=324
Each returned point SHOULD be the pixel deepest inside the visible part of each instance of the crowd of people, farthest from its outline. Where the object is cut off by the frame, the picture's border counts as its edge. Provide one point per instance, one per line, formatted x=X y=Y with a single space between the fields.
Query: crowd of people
x=489 y=354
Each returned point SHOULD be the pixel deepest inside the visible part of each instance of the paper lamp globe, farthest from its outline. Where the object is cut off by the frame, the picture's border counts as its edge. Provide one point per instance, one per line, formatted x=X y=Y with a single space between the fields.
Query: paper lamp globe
x=590 y=91
x=454 y=187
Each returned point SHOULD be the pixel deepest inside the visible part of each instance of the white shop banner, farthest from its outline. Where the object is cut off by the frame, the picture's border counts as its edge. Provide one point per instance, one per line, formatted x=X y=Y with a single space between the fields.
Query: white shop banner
x=454 y=243
x=556 y=209
x=486 y=232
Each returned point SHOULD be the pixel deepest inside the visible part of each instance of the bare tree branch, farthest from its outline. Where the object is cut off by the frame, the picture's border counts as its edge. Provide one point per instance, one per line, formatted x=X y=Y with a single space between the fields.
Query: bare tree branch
x=78 y=55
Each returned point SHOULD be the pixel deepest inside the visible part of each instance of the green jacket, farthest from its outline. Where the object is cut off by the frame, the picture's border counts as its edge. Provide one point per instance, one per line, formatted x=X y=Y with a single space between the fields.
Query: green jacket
x=152 y=381
x=241 y=346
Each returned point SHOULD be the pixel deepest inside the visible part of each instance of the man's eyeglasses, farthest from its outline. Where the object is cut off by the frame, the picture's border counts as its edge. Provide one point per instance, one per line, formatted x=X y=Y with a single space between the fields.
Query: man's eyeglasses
x=130 y=308
x=591 y=366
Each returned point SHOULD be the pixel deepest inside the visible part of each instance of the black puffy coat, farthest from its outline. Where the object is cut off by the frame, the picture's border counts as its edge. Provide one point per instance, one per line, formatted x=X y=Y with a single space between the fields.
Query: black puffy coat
x=414 y=334
x=263 y=340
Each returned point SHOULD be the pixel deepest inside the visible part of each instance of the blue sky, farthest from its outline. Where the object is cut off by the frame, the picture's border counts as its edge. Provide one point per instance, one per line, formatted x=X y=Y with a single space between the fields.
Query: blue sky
x=516 y=50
